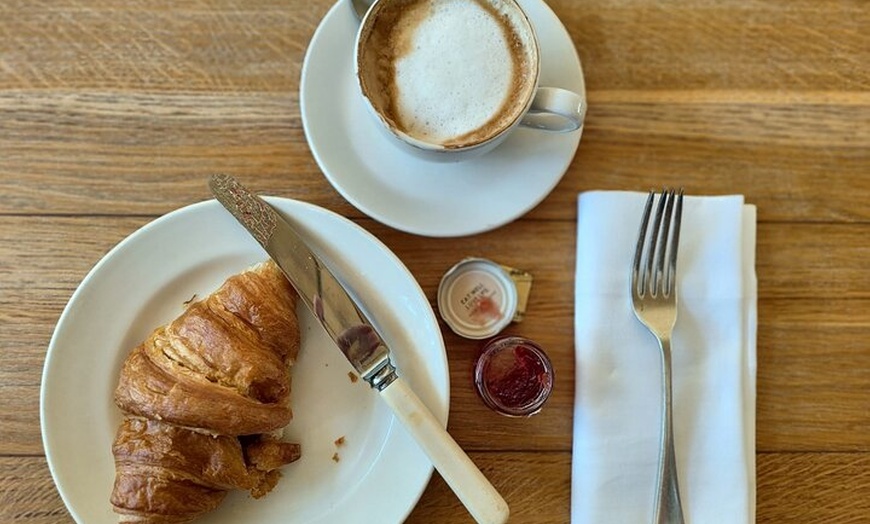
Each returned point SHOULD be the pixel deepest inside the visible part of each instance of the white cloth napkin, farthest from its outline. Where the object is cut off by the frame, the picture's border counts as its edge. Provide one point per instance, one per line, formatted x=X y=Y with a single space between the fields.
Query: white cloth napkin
x=617 y=405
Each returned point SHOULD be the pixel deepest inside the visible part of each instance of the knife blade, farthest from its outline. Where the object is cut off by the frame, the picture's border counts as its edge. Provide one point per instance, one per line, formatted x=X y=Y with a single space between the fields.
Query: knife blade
x=347 y=324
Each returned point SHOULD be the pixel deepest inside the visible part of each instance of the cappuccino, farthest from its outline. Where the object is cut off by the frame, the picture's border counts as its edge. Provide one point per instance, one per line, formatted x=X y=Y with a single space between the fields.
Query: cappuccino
x=452 y=73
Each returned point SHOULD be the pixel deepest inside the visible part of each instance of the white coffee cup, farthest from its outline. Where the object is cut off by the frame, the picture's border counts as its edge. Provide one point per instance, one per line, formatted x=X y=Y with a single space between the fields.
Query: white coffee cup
x=451 y=79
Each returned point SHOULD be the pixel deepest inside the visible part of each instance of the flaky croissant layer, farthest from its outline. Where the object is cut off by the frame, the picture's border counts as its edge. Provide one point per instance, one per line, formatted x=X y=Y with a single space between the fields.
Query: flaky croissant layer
x=192 y=391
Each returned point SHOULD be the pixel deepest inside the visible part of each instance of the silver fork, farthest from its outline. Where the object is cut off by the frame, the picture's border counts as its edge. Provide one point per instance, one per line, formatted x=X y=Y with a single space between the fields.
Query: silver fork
x=654 y=300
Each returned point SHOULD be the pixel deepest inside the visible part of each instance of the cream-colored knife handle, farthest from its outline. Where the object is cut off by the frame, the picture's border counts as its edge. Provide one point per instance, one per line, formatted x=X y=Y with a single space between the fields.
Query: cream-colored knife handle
x=461 y=474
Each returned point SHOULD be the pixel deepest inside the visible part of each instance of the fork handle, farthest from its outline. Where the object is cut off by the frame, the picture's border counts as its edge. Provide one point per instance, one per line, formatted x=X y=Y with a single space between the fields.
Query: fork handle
x=668 y=509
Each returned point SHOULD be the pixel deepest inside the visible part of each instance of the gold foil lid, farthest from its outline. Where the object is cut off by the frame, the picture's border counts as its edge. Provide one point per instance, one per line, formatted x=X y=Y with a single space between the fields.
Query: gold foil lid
x=523 y=282
x=478 y=298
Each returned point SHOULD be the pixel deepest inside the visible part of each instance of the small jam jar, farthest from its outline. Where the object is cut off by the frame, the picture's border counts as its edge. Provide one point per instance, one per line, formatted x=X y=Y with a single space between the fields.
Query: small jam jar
x=513 y=376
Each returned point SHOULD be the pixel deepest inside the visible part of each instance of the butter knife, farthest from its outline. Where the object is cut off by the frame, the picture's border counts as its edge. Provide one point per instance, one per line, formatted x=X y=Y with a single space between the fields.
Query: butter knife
x=354 y=334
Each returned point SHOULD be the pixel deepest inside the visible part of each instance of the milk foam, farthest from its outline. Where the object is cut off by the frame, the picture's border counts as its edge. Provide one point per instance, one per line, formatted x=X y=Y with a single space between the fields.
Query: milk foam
x=456 y=72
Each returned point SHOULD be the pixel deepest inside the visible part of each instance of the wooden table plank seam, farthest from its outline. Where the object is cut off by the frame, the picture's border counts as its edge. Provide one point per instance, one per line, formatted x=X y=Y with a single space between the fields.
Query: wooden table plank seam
x=114 y=113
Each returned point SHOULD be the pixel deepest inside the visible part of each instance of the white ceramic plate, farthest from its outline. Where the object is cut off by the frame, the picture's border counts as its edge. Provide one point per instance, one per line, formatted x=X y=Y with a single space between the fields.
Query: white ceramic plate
x=144 y=281
x=413 y=195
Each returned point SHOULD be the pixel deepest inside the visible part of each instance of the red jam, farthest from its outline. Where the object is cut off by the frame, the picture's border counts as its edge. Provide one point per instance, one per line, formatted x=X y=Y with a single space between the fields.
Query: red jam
x=513 y=376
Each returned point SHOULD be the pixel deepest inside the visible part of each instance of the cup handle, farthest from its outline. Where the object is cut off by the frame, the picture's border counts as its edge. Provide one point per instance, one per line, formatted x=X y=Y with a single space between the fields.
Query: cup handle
x=555 y=109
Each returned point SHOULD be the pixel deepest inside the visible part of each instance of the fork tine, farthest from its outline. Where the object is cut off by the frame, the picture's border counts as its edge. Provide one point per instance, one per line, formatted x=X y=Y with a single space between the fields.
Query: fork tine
x=675 y=243
x=661 y=272
x=652 y=274
x=637 y=278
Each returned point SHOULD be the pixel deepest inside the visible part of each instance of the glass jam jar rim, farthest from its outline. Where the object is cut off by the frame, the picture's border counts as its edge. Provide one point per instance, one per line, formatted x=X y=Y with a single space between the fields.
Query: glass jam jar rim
x=495 y=346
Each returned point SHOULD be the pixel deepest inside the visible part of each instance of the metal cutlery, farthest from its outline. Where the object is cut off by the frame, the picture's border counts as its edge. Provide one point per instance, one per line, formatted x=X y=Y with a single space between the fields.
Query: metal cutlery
x=654 y=301
x=345 y=320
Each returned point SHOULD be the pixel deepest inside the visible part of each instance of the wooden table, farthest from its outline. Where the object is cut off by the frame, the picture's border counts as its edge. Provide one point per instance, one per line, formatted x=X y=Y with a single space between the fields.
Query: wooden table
x=113 y=113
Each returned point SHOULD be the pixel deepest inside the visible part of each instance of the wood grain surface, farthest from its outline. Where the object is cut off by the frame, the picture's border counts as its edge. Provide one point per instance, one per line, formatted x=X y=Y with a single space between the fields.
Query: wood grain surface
x=114 y=112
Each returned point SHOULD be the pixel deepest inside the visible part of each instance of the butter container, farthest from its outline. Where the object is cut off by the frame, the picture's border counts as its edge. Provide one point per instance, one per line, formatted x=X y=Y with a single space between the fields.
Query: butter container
x=478 y=298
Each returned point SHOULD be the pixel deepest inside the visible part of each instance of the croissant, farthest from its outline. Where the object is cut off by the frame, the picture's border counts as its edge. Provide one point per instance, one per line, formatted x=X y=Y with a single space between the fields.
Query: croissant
x=170 y=474
x=222 y=366
x=199 y=395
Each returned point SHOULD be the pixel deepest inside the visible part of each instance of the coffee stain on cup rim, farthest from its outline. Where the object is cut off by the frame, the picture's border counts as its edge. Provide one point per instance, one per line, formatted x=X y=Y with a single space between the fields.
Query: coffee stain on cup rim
x=380 y=91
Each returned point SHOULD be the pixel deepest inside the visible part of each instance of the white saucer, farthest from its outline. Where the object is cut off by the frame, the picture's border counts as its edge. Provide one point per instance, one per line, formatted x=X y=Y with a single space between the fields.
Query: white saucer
x=413 y=195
